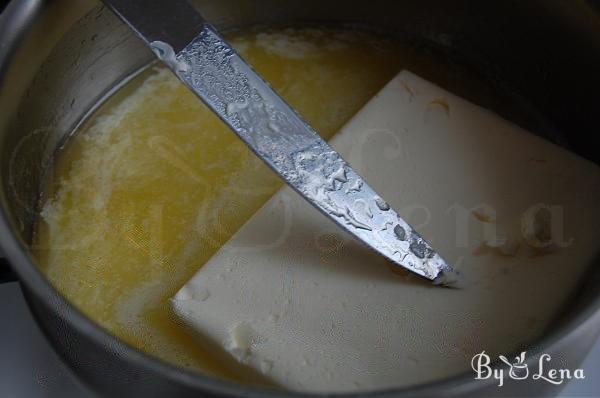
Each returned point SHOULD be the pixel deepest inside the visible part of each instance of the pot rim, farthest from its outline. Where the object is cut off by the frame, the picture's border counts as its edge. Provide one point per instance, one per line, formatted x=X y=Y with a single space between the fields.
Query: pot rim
x=14 y=23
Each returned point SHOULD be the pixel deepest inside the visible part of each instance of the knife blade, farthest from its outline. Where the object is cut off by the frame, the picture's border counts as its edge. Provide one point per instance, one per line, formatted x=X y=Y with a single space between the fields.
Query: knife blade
x=216 y=73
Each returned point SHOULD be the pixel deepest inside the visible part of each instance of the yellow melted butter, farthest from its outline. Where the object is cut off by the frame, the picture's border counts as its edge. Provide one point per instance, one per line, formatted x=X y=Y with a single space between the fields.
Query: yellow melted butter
x=154 y=184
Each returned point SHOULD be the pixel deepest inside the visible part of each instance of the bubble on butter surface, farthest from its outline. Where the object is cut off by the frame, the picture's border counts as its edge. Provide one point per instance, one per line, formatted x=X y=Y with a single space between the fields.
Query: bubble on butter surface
x=241 y=336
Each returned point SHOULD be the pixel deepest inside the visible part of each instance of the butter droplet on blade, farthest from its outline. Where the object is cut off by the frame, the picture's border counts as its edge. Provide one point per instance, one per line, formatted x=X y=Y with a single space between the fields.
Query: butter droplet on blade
x=381 y=204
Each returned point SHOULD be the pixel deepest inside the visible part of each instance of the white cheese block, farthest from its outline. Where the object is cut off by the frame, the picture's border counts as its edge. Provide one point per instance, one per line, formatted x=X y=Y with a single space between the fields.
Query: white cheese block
x=294 y=299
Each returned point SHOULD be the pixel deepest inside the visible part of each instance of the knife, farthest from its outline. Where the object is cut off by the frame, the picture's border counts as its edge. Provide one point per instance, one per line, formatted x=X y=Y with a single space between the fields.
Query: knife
x=211 y=68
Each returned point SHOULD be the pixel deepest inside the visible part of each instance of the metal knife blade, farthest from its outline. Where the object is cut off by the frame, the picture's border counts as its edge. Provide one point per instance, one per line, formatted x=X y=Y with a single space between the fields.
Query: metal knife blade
x=212 y=69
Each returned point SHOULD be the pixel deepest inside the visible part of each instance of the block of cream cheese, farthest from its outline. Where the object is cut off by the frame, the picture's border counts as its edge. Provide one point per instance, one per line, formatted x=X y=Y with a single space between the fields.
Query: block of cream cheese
x=292 y=298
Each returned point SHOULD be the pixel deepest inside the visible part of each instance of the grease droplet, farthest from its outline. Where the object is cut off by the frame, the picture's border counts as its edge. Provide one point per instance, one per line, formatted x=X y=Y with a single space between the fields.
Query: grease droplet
x=382 y=204
x=420 y=249
x=400 y=232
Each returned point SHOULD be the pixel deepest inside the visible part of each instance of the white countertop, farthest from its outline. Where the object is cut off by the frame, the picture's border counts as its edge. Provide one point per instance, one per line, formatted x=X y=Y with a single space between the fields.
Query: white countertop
x=30 y=368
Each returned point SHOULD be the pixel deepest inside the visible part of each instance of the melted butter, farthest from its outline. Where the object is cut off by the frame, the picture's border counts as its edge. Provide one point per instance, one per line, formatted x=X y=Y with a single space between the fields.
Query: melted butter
x=154 y=183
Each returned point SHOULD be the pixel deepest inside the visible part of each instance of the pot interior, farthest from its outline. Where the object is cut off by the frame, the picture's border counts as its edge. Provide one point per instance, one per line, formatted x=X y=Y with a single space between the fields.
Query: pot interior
x=534 y=63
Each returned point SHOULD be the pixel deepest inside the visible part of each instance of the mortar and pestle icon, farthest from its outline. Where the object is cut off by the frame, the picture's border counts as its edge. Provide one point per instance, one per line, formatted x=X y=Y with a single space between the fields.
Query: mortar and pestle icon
x=518 y=369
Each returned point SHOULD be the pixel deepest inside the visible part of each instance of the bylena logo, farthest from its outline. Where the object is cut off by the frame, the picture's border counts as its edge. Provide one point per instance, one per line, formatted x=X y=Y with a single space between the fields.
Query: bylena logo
x=518 y=370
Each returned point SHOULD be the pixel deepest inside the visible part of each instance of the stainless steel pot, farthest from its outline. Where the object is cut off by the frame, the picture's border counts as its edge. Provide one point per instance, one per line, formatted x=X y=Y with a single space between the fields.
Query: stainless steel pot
x=59 y=59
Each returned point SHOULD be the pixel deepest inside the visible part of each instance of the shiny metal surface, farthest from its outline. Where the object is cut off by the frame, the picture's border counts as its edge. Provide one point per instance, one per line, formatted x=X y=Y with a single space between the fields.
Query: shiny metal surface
x=213 y=70
x=174 y=22
x=73 y=58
